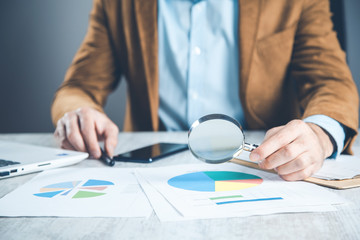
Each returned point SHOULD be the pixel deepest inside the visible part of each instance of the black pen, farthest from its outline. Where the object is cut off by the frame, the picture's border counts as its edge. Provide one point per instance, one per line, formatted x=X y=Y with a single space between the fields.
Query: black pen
x=106 y=159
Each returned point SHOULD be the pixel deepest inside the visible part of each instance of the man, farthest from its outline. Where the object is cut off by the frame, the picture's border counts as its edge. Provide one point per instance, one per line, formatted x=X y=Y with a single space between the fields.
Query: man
x=266 y=63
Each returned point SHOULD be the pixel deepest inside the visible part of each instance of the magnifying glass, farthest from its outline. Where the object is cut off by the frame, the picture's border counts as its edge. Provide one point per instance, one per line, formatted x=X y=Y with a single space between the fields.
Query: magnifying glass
x=217 y=138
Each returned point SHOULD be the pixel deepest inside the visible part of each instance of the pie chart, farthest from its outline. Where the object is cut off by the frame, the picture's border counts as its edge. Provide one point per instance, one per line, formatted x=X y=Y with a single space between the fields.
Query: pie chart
x=215 y=181
x=74 y=189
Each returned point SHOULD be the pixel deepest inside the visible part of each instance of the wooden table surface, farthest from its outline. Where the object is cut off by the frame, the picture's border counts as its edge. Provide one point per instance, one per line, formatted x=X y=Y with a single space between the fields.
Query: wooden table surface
x=342 y=224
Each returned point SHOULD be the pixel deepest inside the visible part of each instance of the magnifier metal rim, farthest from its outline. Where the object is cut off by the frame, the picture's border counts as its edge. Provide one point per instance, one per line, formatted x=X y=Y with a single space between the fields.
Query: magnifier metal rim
x=215 y=116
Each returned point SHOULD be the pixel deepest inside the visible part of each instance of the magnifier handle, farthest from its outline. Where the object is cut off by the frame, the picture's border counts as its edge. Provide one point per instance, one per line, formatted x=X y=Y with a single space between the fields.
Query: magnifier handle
x=249 y=147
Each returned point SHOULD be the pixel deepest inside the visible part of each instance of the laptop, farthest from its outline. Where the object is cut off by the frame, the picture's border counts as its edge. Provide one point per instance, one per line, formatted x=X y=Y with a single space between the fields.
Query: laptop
x=18 y=158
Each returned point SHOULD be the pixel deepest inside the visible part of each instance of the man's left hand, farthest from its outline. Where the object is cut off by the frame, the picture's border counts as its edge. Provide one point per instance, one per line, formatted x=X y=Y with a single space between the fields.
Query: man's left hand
x=295 y=151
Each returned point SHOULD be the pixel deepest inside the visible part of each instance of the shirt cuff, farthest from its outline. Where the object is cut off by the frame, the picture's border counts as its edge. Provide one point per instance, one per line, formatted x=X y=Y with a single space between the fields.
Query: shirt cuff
x=333 y=128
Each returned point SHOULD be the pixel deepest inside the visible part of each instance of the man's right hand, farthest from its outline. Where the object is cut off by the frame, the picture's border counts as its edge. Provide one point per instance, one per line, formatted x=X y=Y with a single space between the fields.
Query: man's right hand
x=81 y=130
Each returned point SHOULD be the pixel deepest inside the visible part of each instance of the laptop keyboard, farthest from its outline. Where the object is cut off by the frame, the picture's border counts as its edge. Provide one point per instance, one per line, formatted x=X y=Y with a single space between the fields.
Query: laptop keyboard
x=4 y=163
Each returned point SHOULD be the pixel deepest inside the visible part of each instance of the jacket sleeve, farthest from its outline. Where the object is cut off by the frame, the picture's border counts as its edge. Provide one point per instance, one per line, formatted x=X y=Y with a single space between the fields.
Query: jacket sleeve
x=94 y=71
x=323 y=79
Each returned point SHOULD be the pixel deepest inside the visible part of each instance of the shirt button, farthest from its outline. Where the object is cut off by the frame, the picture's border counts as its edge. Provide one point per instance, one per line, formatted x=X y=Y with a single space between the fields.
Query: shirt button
x=195 y=96
x=197 y=51
x=197 y=7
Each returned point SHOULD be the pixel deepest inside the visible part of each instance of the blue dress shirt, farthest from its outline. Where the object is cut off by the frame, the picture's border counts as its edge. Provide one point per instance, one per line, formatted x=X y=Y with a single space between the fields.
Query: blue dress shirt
x=198 y=65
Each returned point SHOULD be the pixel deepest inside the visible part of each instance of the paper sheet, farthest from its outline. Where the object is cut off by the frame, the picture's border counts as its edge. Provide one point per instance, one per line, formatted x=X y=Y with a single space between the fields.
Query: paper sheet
x=268 y=195
x=163 y=209
x=344 y=167
x=166 y=212
x=76 y=192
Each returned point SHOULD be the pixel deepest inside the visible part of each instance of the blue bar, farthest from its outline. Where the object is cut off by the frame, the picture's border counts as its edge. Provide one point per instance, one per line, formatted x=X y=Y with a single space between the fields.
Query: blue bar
x=250 y=200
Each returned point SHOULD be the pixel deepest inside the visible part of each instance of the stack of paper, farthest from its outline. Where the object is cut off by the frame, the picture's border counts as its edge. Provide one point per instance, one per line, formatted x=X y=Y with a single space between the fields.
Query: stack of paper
x=176 y=193
x=343 y=167
x=228 y=190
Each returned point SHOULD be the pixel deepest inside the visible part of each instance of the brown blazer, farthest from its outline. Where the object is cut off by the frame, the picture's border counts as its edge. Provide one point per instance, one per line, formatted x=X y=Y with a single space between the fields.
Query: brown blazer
x=291 y=64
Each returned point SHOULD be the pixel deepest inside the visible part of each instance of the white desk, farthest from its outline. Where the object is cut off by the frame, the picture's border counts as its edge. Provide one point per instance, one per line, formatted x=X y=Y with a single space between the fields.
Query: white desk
x=343 y=224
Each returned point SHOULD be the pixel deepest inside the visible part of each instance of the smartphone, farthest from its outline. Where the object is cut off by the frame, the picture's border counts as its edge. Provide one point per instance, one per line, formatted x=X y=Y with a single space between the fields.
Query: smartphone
x=151 y=153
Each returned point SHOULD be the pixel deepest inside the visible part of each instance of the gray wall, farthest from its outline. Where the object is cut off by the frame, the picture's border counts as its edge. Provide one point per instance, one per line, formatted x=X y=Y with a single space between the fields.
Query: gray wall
x=38 y=39
x=352 y=29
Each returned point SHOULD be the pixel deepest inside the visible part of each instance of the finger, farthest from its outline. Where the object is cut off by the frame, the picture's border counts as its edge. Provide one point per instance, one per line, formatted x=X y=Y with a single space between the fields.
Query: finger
x=73 y=133
x=111 y=139
x=301 y=162
x=285 y=136
x=66 y=145
x=284 y=155
x=87 y=128
x=300 y=175
x=272 y=131
x=59 y=133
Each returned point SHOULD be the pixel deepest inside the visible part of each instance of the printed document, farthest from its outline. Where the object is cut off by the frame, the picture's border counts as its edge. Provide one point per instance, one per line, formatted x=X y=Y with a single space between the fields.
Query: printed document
x=77 y=192
x=230 y=190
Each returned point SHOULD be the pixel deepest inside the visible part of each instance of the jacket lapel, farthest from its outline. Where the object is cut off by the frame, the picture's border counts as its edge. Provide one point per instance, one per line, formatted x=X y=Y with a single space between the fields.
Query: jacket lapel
x=146 y=20
x=248 y=21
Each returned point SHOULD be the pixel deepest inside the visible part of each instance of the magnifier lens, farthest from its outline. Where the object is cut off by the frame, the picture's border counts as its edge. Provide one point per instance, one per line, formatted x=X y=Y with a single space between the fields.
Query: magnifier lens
x=215 y=140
